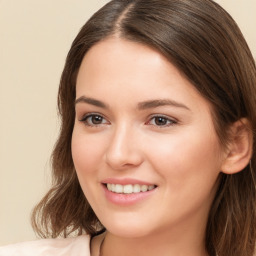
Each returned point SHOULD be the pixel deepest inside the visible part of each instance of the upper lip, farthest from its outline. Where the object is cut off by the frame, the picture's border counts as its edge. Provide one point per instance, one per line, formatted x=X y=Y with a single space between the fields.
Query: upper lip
x=125 y=181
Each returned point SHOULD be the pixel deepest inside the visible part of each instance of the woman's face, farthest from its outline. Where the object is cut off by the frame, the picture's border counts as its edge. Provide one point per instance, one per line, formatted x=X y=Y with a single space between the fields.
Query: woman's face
x=143 y=131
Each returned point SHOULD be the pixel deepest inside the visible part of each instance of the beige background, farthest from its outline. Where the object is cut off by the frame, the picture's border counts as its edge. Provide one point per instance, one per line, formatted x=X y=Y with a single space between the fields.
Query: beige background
x=35 y=36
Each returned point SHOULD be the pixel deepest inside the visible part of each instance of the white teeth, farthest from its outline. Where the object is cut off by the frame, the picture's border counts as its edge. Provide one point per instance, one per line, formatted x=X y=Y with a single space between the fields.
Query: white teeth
x=144 y=188
x=128 y=189
x=119 y=189
x=109 y=186
x=136 y=188
x=151 y=187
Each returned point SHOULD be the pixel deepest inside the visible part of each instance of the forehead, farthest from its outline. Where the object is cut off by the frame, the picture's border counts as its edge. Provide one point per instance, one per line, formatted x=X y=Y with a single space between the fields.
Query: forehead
x=116 y=67
x=115 y=56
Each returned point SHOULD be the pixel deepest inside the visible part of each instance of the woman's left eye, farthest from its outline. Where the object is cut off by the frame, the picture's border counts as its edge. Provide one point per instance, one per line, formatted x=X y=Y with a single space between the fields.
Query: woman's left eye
x=161 y=121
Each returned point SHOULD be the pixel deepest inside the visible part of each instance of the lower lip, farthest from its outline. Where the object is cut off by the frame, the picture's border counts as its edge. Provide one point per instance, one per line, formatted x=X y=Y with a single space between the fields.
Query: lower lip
x=127 y=199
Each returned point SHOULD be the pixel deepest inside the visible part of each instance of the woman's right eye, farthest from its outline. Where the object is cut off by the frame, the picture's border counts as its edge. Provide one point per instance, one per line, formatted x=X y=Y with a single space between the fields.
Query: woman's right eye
x=94 y=120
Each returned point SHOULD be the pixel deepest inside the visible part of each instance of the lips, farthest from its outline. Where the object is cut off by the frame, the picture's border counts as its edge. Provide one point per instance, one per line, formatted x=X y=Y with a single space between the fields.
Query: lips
x=127 y=191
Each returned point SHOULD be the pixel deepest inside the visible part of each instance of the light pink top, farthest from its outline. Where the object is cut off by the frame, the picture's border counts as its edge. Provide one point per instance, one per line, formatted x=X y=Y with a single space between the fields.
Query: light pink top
x=77 y=246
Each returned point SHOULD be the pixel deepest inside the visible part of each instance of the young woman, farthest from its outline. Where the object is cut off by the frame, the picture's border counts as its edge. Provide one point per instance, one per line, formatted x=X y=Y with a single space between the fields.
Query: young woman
x=156 y=154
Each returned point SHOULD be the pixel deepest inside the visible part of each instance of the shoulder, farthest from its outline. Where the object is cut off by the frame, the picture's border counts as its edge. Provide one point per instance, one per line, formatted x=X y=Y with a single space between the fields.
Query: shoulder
x=76 y=246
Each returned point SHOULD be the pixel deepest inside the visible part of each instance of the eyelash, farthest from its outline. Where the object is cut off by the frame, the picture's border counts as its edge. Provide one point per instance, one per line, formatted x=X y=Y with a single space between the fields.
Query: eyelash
x=85 y=120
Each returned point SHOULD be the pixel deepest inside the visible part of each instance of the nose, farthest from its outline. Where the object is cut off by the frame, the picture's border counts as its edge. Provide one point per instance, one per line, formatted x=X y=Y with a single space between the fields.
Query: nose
x=124 y=151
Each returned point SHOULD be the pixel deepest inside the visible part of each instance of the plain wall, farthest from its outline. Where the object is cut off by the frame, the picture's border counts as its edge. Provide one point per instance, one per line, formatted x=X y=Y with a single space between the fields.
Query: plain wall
x=35 y=36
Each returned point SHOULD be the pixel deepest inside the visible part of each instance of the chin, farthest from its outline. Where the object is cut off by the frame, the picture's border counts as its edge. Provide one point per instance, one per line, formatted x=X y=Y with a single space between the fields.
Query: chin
x=128 y=232
x=128 y=227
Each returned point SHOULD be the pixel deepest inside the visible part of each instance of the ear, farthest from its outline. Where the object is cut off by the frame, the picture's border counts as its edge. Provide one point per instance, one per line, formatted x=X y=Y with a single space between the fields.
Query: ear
x=239 y=150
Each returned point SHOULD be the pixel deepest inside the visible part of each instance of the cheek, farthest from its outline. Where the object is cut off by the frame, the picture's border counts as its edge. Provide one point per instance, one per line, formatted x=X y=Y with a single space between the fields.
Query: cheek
x=86 y=152
x=187 y=158
x=189 y=168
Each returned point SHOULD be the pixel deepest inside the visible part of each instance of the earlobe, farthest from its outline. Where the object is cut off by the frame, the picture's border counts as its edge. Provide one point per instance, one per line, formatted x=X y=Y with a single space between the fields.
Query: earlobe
x=239 y=147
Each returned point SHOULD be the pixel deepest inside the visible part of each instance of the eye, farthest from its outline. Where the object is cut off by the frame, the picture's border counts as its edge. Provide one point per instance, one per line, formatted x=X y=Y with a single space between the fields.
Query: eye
x=93 y=120
x=161 y=121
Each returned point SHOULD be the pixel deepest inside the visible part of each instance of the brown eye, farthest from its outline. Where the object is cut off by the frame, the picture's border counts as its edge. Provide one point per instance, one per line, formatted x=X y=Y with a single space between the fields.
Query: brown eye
x=94 y=120
x=161 y=121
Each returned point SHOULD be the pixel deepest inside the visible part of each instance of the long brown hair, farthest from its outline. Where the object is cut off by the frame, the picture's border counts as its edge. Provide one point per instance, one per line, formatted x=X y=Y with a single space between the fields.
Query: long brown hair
x=206 y=45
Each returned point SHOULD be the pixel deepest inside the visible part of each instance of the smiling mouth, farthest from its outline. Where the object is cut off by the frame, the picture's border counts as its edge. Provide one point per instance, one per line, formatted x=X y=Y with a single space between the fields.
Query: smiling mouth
x=129 y=188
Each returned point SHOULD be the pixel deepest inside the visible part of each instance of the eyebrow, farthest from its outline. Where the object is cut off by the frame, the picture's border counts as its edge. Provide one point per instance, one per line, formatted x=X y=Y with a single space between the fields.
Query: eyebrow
x=141 y=106
x=159 y=103
x=91 y=101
